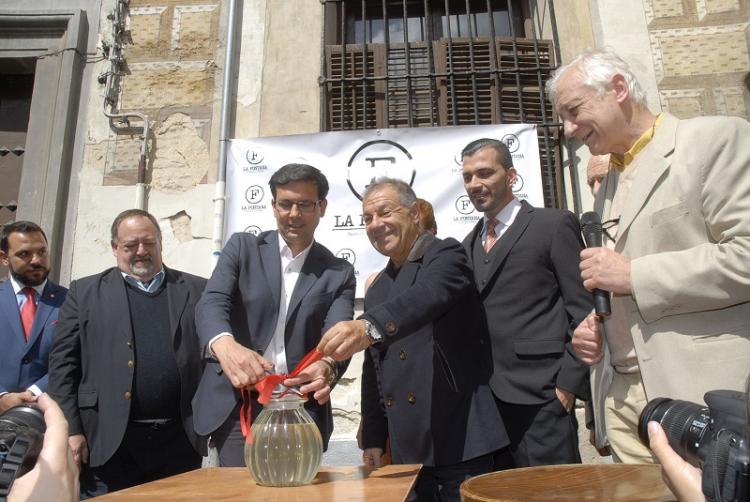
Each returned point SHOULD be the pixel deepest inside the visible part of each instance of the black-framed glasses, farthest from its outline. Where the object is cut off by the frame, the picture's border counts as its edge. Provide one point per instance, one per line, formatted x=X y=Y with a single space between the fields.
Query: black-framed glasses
x=608 y=225
x=303 y=206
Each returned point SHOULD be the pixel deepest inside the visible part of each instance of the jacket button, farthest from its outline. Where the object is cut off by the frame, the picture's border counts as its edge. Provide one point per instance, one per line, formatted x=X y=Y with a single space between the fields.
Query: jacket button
x=402 y=355
x=131 y=364
x=486 y=262
x=411 y=398
x=127 y=395
x=389 y=401
x=25 y=360
x=130 y=344
x=484 y=281
x=390 y=327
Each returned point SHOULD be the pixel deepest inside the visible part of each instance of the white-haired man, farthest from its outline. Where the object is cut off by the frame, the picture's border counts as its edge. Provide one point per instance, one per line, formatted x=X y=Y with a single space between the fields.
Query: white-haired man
x=676 y=248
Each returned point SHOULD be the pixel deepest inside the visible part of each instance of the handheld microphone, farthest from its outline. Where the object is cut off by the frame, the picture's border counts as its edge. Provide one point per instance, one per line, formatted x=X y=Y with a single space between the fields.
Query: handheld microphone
x=591 y=228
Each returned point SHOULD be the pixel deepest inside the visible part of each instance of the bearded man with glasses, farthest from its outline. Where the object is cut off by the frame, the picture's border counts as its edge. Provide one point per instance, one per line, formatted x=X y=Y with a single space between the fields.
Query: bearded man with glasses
x=266 y=305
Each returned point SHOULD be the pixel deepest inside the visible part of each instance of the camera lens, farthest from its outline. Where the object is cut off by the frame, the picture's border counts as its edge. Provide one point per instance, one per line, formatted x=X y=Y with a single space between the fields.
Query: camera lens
x=24 y=424
x=684 y=423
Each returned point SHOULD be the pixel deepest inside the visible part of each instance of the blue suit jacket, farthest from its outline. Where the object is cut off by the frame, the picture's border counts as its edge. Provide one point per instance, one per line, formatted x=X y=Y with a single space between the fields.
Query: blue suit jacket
x=22 y=363
x=242 y=297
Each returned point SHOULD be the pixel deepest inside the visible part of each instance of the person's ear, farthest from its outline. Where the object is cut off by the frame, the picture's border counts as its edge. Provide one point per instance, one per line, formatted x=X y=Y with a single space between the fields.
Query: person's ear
x=620 y=88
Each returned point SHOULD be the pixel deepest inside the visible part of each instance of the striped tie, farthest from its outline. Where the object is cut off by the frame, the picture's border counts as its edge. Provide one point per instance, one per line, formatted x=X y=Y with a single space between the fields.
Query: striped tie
x=491 y=238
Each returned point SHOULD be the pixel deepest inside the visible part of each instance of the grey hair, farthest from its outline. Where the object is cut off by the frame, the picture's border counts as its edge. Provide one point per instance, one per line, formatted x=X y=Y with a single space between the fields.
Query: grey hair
x=597 y=67
x=406 y=194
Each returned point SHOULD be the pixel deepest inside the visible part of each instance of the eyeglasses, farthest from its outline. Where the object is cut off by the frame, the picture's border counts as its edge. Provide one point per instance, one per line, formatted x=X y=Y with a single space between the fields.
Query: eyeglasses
x=303 y=206
x=608 y=225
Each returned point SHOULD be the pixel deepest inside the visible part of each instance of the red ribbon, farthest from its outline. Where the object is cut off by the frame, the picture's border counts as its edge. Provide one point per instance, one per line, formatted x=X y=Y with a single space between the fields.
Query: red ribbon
x=265 y=387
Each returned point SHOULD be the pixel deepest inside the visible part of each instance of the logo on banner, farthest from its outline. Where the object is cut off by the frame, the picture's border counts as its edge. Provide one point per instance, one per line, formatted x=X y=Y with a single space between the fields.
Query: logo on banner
x=511 y=141
x=254 y=157
x=464 y=205
x=347 y=254
x=253 y=229
x=518 y=185
x=254 y=194
x=375 y=159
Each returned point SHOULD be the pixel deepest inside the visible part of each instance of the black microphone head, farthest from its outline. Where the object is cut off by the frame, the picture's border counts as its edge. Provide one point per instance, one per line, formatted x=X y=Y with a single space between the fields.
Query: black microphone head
x=591 y=228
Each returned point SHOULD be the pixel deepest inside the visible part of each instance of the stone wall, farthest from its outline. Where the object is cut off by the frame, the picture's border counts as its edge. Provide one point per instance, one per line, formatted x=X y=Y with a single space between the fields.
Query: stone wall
x=701 y=53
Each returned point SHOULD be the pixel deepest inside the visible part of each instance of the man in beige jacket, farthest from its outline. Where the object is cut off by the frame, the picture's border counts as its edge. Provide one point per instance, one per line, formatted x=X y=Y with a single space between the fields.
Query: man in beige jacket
x=676 y=254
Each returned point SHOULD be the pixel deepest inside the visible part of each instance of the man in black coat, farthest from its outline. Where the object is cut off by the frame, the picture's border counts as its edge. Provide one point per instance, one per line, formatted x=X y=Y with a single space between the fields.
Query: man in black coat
x=525 y=263
x=125 y=363
x=424 y=382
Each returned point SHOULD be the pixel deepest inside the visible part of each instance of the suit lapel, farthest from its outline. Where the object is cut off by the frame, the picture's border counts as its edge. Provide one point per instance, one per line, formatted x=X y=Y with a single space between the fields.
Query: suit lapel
x=115 y=306
x=44 y=308
x=500 y=251
x=654 y=161
x=311 y=270
x=177 y=297
x=9 y=305
x=471 y=238
x=269 y=255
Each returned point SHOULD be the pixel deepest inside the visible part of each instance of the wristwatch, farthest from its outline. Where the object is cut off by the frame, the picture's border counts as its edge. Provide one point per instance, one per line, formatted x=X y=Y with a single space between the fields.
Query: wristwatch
x=372 y=333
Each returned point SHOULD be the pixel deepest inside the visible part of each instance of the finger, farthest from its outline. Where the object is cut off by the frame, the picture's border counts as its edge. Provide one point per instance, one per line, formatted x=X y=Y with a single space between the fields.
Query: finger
x=323 y=395
x=55 y=446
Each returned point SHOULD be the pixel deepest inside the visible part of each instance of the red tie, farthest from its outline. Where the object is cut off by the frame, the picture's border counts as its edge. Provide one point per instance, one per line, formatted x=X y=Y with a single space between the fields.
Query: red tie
x=28 y=311
x=491 y=237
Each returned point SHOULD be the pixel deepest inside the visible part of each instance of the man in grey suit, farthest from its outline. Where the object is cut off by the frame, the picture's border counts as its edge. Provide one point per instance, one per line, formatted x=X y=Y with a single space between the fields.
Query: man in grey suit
x=125 y=363
x=675 y=254
x=266 y=305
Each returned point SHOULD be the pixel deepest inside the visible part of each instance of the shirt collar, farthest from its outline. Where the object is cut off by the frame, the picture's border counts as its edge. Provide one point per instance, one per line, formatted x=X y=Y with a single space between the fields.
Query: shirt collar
x=286 y=252
x=506 y=214
x=18 y=286
x=153 y=285
x=620 y=162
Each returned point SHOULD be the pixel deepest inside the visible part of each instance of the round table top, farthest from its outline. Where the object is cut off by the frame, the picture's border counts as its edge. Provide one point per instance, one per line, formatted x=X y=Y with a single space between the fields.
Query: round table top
x=579 y=482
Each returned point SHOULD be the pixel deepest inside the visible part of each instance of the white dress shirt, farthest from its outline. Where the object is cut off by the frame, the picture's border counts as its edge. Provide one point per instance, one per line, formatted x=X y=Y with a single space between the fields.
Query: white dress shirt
x=505 y=218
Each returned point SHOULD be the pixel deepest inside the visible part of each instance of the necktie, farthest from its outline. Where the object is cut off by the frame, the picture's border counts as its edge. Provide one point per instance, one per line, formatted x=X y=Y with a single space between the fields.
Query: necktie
x=491 y=238
x=28 y=311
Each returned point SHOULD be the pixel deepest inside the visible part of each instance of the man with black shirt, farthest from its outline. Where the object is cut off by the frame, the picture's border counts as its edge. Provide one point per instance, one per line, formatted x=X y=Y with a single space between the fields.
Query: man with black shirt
x=125 y=364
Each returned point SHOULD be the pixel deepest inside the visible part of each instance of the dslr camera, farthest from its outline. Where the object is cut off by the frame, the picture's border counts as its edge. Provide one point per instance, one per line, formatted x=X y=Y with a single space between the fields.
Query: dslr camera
x=21 y=436
x=711 y=437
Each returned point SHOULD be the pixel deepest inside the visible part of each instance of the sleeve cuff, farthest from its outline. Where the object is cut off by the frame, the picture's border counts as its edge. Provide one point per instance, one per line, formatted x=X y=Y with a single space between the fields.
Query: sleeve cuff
x=209 y=351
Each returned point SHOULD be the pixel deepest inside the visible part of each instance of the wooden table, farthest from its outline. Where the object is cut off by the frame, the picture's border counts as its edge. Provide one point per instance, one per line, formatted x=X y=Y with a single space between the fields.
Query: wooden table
x=610 y=482
x=351 y=483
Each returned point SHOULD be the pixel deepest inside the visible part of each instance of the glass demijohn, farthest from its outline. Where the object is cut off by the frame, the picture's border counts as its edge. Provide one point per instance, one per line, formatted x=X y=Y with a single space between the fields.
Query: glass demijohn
x=287 y=447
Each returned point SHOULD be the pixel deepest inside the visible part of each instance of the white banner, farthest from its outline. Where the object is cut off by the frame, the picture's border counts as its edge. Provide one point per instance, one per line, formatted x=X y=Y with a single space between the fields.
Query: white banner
x=428 y=158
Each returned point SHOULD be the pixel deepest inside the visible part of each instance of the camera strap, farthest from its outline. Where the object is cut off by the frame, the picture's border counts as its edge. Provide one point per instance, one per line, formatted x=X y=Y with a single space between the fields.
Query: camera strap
x=11 y=463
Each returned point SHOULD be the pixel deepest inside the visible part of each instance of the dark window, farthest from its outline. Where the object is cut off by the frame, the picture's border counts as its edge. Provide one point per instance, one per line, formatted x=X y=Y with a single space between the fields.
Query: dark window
x=422 y=63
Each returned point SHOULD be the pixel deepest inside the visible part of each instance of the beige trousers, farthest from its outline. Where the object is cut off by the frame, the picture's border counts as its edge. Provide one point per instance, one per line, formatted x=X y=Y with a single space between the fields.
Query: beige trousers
x=625 y=401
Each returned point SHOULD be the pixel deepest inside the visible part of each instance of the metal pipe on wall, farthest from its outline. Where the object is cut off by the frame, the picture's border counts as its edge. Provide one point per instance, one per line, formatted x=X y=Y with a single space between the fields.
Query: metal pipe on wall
x=116 y=60
x=221 y=175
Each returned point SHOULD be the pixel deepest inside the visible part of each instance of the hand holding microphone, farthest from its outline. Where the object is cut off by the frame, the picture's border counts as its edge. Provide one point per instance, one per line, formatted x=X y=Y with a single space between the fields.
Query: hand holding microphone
x=602 y=270
x=591 y=228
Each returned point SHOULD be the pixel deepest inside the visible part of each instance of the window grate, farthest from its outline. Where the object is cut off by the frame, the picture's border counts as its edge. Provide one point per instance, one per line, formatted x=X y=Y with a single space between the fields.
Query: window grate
x=422 y=63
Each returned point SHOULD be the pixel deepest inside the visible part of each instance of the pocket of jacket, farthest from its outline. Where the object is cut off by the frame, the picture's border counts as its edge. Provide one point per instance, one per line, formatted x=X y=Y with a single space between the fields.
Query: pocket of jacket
x=668 y=214
x=538 y=347
x=87 y=399
x=445 y=368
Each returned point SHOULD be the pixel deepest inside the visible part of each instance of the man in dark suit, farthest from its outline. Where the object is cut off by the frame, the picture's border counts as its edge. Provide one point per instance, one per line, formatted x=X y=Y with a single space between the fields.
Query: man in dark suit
x=125 y=364
x=266 y=305
x=29 y=304
x=525 y=263
x=424 y=381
